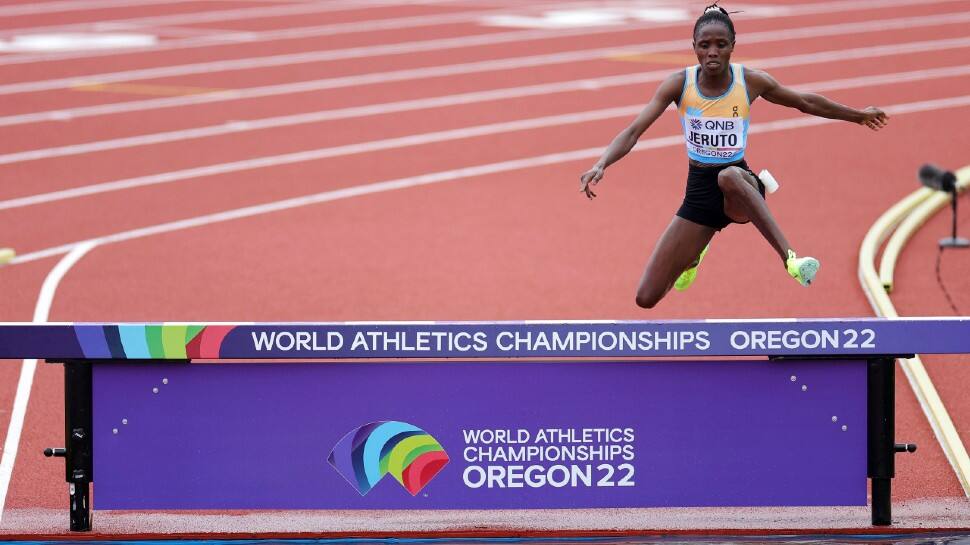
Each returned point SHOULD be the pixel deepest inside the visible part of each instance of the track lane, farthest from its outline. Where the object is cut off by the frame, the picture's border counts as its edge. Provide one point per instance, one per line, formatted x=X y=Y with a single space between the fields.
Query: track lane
x=57 y=6
x=417 y=53
x=362 y=120
x=236 y=11
x=197 y=110
x=307 y=50
x=178 y=200
x=58 y=173
x=673 y=53
x=297 y=27
x=88 y=16
x=253 y=185
x=878 y=60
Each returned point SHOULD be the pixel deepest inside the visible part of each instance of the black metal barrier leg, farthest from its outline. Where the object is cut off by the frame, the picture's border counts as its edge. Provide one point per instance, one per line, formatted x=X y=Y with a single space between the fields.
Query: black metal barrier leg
x=78 y=453
x=79 y=450
x=882 y=437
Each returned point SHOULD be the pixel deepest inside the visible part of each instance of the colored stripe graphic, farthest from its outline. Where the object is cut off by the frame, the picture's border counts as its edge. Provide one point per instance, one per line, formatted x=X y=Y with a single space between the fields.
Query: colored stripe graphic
x=141 y=341
x=113 y=338
x=206 y=342
x=92 y=341
x=368 y=453
x=173 y=341
x=134 y=341
x=153 y=333
x=191 y=332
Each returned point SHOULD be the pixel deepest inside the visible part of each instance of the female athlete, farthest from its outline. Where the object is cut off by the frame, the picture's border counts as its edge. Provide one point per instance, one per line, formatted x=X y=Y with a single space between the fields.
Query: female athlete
x=713 y=99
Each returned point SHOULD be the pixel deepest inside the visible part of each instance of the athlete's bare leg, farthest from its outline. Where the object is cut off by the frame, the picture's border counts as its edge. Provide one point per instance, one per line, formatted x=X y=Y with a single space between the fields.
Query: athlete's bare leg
x=677 y=249
x=743 y=203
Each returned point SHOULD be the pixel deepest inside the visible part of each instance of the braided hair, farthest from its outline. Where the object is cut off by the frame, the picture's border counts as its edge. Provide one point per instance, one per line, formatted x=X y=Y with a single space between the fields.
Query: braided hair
x=715 y=14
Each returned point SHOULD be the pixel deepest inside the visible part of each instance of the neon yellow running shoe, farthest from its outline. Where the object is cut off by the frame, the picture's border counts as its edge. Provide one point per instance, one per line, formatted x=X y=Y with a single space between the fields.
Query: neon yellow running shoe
x=802 y=269
x=687 y=277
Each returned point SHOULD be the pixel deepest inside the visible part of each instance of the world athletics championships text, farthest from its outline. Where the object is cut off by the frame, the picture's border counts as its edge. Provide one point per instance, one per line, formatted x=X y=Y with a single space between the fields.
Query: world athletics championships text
x=480 y=341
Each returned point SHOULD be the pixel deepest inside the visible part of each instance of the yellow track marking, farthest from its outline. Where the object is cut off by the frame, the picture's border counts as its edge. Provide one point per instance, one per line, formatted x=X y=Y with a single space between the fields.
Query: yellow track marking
x=911 y=224
x=6 y=255
x=919 y=203
x=144 y=89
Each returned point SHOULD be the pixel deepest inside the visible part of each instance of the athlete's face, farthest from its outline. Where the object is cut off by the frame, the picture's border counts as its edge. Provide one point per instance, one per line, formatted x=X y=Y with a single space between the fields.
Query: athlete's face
x=713 y=46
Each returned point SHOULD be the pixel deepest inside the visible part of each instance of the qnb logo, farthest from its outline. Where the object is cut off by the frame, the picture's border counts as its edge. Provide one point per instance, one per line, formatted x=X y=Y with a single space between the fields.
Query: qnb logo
x=373 y=450
x=696 y=124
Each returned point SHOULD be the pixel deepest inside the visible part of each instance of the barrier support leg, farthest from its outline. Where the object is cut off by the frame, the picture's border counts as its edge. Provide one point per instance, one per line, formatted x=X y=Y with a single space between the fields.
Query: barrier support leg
x=881 y=437
x=79 y=448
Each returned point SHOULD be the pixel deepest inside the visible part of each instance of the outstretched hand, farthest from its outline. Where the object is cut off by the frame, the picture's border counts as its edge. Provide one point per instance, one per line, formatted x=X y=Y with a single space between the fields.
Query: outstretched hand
x=589 y=178
x=874 y=118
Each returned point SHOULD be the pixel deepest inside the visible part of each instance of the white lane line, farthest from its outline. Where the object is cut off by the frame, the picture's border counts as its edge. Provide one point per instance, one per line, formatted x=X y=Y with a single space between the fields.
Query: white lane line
x=289 y=59
x=75 y=5
x=237 y=127
x=452 y=175
x=41 y=312
x=237 y=14
x=429 y=138
x=322 y=153
x=418 y=21
x=888 y=78
x=225 y=37
x=878 y=25
x=468 y=68
x=161 y=31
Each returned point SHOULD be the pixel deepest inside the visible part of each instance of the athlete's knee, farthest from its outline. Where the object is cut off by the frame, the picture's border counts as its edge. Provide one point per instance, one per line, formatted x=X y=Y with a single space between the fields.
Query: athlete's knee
x=648 y=297
x=731 y=181
x=647 y=302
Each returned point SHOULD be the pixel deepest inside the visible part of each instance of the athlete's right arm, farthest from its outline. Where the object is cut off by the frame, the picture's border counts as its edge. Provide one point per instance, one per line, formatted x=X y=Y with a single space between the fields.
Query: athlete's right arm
x=668 y=92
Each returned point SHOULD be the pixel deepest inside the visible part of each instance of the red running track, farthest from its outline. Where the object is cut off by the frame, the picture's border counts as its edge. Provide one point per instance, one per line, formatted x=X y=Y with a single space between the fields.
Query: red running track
x=517 y=243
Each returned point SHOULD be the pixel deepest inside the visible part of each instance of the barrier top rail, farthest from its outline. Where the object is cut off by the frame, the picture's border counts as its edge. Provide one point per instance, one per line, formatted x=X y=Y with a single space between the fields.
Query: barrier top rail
x=346 y=340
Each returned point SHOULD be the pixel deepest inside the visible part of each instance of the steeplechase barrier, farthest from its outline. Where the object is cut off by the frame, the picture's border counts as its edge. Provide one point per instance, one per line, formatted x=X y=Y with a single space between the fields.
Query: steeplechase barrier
x=480 y=415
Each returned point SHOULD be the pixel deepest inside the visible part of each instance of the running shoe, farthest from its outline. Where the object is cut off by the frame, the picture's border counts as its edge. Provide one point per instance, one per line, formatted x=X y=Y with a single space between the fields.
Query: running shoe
x=687 y=277
x=802 y=269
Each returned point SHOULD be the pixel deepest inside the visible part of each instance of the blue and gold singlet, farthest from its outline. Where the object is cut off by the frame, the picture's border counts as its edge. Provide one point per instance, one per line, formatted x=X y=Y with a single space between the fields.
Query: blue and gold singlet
x=715 y=129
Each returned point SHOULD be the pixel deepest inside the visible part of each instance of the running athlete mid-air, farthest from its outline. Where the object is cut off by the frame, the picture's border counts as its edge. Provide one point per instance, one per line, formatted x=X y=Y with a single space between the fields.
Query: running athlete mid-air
x=713 y=98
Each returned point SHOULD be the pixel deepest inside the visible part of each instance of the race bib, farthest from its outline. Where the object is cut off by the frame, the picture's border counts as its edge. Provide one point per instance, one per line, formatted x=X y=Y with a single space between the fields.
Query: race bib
x=715 y=137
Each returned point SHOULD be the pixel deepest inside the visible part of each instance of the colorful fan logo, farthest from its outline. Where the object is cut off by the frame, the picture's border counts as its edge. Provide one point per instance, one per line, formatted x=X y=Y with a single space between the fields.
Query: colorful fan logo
x=373 y=450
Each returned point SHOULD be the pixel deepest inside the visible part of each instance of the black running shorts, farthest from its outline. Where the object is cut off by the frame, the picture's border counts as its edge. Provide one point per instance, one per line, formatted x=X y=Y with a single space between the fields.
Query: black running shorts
x=704 y=201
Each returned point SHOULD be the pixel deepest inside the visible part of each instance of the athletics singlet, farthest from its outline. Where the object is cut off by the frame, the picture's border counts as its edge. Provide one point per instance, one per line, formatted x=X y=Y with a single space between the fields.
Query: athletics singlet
x=715 y=129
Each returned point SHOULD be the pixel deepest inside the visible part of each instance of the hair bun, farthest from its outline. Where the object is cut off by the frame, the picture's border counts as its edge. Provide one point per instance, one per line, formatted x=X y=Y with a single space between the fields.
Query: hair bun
x=715 y=14
x=715 y=7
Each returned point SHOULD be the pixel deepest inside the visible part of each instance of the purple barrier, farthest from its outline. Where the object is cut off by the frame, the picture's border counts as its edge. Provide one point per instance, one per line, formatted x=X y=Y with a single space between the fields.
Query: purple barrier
x=845 y=337
x=479 y=435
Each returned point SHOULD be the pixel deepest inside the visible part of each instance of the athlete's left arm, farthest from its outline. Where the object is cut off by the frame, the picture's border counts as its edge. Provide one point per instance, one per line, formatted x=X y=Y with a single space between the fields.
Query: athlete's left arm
x=761 y=84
